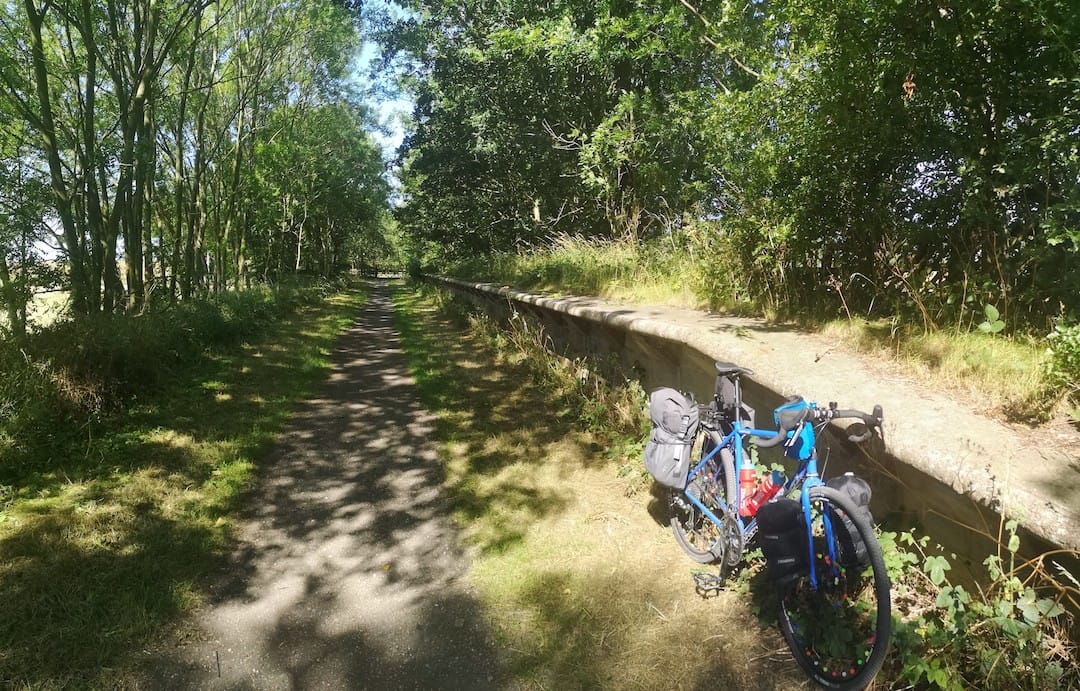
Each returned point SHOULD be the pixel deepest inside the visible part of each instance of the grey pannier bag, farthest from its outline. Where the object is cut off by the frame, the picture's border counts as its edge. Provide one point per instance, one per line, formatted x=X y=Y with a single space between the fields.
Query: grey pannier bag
x=674 y=426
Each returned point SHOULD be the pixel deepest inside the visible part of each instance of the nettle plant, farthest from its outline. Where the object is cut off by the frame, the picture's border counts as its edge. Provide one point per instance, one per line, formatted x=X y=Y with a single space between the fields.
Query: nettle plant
x=1012 y=633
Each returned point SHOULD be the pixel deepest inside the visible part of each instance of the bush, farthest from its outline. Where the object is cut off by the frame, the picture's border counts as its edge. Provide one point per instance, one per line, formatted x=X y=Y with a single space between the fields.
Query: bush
x=1064 y=363
x=414 y=268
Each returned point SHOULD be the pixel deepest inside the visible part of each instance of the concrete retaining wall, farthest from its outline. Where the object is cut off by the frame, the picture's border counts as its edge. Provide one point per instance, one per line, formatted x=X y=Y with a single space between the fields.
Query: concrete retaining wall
x=944 y=467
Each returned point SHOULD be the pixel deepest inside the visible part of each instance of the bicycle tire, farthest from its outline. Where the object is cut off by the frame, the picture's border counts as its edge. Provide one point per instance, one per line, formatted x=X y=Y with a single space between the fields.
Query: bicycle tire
x=699 y=537
x=839 y=634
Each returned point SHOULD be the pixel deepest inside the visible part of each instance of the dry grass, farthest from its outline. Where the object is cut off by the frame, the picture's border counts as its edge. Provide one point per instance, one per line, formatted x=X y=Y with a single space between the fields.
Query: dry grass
x=581 y=579
x=996 y=375
x=659 y=274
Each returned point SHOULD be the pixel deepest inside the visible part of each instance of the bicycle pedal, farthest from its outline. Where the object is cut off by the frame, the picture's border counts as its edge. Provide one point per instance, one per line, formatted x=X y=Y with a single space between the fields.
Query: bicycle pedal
x=706 y=583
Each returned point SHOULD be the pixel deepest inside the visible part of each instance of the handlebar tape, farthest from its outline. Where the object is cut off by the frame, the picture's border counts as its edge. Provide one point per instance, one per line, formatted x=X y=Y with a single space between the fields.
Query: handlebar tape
x=871 y=421
x=769 y=442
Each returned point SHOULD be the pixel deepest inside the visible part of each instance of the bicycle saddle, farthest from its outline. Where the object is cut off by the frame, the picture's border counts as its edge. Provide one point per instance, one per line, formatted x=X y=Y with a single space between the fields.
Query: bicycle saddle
x=727 y=368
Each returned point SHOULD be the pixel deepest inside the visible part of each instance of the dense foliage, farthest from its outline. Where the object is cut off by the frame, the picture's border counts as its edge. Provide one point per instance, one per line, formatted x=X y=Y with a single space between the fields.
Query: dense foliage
x=167 y=149
x=918 y=158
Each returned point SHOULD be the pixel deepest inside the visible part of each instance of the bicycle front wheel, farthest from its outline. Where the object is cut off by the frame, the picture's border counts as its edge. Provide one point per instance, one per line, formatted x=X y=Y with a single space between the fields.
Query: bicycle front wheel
x=698 y=536
x=839 y=631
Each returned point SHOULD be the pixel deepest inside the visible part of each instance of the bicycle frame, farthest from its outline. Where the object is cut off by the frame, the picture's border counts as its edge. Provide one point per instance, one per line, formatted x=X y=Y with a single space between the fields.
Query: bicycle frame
x=806 y=477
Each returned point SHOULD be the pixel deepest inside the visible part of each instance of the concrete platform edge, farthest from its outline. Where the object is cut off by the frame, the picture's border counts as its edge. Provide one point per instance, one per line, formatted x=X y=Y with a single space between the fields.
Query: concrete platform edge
x=976 y=456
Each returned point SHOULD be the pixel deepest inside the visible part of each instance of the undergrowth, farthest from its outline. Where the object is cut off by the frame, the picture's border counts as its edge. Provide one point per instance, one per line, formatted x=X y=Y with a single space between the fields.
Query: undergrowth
x=1011 y=630
x=583 y=384
x=1063 y=366
x=652 y=273
x=74 y=374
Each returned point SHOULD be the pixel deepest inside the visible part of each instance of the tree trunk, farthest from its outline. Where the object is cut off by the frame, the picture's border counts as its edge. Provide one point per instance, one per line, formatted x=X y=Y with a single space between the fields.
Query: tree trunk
x=61 y=193
x=14 y=304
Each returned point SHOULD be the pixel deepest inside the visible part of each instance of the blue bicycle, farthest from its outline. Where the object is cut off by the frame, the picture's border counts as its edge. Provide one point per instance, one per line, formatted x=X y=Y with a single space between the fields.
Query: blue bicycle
x=821 y=549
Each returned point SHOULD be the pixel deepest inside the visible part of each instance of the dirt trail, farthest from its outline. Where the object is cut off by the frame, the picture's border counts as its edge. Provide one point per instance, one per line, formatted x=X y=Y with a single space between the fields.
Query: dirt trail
x=349 y=572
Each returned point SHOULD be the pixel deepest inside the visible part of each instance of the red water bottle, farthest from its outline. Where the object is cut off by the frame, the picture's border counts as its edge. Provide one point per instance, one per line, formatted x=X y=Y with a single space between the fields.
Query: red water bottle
x=747 y=483
x=773 y=483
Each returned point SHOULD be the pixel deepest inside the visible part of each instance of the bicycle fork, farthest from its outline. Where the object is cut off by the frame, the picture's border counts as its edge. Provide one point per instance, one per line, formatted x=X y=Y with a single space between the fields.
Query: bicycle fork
x=813 y=480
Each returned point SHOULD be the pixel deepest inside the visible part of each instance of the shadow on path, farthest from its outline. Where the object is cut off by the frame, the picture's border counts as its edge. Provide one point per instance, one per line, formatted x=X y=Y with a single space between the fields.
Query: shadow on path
x=349 y=573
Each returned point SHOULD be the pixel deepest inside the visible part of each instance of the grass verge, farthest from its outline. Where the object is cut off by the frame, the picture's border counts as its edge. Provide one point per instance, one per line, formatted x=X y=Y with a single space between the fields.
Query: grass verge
x=581 y=581
x=1001 y=376
x=102 y=551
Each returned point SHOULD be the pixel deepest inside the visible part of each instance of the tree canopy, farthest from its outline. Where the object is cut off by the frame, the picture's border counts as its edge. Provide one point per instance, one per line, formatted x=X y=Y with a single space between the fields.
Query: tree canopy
x=922 y=155
x=169 y=148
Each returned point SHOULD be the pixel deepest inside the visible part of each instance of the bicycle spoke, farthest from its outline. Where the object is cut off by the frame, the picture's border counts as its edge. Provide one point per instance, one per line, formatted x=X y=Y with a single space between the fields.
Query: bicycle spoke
x=700 y=537
x=693 y=529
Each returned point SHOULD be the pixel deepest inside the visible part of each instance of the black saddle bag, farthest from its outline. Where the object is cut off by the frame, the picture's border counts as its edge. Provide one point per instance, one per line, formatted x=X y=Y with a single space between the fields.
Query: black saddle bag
x=853 y=551
x=782 y=537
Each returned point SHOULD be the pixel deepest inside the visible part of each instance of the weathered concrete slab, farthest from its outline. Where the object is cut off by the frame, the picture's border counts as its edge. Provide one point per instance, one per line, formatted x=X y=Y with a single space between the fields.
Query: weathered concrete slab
x=946 y=462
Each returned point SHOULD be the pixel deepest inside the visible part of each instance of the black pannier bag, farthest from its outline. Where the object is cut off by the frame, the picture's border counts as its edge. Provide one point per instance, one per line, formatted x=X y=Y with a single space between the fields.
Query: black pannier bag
x=852 y=548
x=724 y=395
x=782 y=537
x=674 y=426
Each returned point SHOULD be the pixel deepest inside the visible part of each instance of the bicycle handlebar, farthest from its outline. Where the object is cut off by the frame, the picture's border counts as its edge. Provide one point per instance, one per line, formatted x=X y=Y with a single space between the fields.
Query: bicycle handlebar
x=871 y=420
x=769 y=442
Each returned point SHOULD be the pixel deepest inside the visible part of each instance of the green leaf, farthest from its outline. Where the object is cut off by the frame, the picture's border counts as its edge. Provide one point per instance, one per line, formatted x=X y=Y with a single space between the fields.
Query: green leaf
x=991 y=313
x=1030 y=612
x=1049 y=609
x=936 y=567
x=1012 y=627
x=1004 y=609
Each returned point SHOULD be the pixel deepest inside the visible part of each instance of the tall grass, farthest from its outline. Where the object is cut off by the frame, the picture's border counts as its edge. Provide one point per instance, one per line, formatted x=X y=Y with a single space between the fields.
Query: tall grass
x=72 y=374
x=1004 y=375
x=128 y=443
x=652 y=273
x=995 y=374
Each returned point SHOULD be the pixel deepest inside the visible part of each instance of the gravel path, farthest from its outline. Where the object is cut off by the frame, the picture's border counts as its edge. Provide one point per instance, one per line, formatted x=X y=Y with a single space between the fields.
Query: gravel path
x=349 y=573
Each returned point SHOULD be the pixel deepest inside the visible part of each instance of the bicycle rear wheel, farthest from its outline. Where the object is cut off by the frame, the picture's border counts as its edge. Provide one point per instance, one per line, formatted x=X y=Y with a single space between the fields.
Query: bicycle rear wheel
x=698 y=536
x=840 y=631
